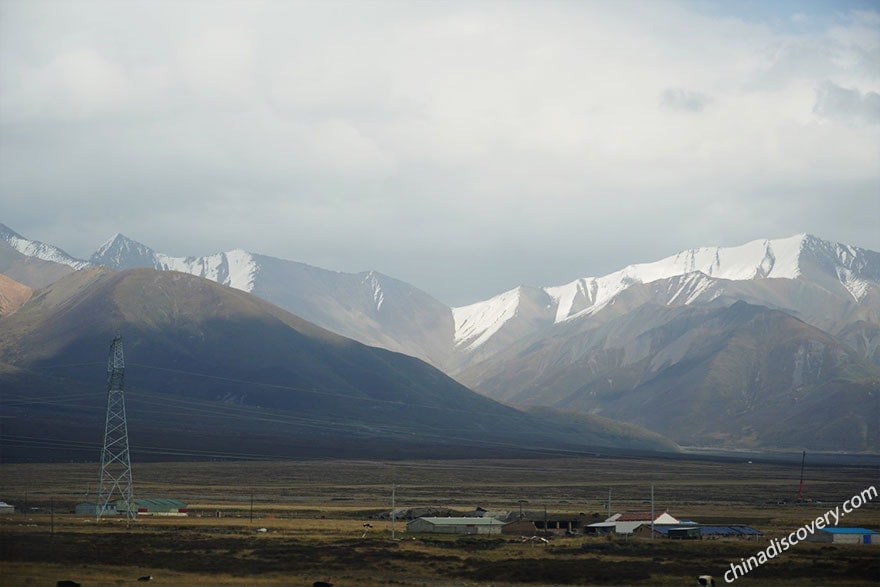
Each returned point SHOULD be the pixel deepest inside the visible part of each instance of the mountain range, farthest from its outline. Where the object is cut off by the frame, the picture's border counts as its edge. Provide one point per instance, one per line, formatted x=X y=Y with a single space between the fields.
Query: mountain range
x=771 y=344
x=218 y=372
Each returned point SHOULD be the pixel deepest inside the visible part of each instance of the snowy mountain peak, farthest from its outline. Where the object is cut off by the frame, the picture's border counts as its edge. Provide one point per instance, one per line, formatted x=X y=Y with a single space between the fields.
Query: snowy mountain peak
x=120 y=252
x=786 y=258
x=36 y=249
x=235 y=268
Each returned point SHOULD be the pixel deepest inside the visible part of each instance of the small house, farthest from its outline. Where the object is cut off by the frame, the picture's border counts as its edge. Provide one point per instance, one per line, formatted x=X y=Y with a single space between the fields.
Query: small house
x=845 y=536
x=155 y=507
x=5 y=508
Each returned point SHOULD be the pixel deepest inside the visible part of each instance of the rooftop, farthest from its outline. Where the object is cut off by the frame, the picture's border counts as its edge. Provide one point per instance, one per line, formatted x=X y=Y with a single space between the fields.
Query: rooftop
x=848 y=531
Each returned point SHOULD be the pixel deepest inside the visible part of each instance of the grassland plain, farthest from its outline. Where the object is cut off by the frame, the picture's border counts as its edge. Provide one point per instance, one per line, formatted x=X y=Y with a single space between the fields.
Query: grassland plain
x=296 y=522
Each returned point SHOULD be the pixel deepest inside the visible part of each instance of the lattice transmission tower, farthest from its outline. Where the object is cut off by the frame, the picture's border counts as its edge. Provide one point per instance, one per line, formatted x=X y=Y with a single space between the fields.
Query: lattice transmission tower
x=115 y=478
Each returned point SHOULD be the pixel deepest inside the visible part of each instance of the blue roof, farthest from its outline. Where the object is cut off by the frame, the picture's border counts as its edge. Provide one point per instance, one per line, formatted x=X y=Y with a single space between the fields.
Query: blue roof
x=848 y=531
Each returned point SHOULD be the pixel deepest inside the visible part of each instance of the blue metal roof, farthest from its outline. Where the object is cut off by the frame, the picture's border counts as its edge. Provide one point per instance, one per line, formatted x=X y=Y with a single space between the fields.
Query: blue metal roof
x=848 y=531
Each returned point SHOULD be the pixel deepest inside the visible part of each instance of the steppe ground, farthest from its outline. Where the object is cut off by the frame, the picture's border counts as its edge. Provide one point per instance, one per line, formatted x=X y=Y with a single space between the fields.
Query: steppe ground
x=296 y=522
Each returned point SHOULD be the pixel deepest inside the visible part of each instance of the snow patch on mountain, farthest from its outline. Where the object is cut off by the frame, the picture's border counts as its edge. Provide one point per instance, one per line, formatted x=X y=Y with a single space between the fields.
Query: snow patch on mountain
x=236 y=269
x=850 y=268
x=690 y=288
x=371 y=280
x=760 y=259
x=39 y=250
x=476 y=323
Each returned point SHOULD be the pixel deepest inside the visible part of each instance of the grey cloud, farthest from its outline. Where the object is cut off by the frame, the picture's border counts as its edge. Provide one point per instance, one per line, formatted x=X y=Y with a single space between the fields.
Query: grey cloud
x=680 y=99
x=836 y=102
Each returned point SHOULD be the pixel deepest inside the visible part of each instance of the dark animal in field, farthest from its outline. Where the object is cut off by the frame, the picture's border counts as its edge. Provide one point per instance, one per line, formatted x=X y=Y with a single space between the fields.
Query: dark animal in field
x=322 y=584
x=67 y=583
x=146 y=578
x=706 y=581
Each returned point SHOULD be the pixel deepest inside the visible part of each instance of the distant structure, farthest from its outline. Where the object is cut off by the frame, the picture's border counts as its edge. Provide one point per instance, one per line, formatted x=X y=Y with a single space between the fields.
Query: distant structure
x=115 y=478
x=455 y=526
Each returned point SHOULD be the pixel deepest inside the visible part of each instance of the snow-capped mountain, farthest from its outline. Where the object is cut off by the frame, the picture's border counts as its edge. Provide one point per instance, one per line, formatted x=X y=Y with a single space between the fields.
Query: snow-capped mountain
x=235 y=269
x=37 y=250
x=700 y=275
x=32 y=263
x=368 y=307
x=841 y=280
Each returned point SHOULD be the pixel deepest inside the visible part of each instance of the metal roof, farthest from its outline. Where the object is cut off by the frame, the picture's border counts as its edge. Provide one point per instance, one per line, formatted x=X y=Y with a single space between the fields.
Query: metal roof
x=848 y=531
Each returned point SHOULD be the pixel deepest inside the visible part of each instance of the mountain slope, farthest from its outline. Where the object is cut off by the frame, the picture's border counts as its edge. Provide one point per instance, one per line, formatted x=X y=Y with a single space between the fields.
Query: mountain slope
x=33 y=263
x=12 y=295
x=738 y=376
x=368 y=307
x=190 y=342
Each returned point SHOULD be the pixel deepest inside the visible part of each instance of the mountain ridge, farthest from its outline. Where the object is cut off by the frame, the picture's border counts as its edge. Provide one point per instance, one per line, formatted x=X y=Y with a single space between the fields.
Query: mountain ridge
x=553 y=346
x=699 y=272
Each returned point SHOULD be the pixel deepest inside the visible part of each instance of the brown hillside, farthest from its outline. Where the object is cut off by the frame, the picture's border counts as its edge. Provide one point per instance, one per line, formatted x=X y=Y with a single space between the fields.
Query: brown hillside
x=12 y=295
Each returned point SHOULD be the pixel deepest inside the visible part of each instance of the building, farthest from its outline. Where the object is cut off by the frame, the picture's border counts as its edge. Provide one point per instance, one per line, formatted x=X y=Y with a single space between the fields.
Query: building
x=156 y=507
x=845 y=536
x=697 y=531
x=455 y=526
x=545 y=524
x=520 y=528
x=626 y=523
x=5 y=508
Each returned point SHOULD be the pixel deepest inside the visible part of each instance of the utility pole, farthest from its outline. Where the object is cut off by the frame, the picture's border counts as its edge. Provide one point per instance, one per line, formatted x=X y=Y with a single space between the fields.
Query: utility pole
x=393 y=487
x=115 y=477
x=609 y=503
x=800 y=496
x=652 y=511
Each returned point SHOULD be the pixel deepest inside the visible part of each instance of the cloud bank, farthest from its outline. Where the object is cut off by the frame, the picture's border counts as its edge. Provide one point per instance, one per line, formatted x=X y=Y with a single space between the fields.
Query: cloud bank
x=464 y=147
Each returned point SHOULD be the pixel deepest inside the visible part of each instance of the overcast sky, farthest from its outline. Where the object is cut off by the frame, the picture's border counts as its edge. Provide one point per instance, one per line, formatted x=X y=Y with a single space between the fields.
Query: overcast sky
x=465 y=147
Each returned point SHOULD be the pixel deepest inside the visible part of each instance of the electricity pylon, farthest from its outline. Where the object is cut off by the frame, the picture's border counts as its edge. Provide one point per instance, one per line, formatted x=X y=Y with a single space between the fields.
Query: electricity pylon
x=115 y=478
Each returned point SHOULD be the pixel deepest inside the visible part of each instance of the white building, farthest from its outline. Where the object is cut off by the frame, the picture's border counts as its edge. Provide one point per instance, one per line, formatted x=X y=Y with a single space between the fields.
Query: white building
x=626 y=523
x=845 y=536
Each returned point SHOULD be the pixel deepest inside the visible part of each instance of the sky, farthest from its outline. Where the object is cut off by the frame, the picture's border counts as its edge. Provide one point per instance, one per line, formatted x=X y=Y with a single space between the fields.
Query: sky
x=464 y=147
